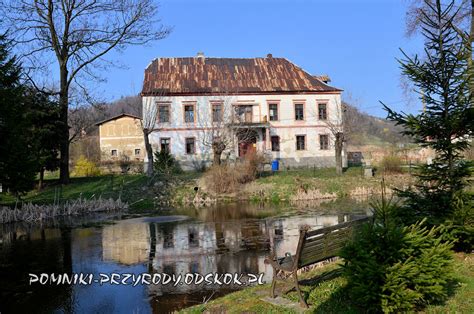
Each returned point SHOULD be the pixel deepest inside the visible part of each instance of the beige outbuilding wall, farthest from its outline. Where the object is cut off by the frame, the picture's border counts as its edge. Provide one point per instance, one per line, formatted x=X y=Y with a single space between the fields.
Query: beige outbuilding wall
x=121 y=136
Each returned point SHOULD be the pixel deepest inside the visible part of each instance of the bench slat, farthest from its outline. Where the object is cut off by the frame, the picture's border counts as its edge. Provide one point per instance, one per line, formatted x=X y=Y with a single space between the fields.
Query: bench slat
x=338 y=226
x=321 y=251
x=315 y=246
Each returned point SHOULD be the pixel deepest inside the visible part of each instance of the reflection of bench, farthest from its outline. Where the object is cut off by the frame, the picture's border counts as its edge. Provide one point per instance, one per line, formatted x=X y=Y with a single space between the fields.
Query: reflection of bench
x=313 y=246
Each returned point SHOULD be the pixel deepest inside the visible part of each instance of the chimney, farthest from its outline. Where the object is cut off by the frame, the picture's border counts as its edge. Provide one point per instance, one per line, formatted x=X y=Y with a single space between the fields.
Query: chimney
x=269 y=56
x=200 y=54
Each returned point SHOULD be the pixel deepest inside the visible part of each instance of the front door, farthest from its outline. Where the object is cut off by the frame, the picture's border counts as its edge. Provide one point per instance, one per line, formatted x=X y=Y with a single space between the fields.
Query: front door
x=246 y=148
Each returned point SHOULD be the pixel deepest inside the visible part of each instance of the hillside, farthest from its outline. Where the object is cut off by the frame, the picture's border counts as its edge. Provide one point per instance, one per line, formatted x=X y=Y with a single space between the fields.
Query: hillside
x=364 y=129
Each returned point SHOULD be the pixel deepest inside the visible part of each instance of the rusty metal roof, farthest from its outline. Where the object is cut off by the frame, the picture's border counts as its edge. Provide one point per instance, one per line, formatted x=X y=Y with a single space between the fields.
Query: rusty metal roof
x=199 y=75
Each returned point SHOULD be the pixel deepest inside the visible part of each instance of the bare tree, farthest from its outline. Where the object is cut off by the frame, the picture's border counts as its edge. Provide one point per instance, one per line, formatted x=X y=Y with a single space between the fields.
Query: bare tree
x=78 y=34
x=148 y=125
x=223 y=127
x=463 y=23
x=341 y=124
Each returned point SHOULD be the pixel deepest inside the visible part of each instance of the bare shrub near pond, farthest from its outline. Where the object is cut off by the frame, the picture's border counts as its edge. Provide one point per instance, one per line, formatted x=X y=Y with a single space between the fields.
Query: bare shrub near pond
x=227 y=178
x=33 y=212
x=311 y=194
x=221 y=179
x=391 y=164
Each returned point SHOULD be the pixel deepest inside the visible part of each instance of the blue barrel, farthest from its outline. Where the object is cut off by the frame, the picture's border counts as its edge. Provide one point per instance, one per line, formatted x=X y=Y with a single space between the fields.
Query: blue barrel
x=275 y=165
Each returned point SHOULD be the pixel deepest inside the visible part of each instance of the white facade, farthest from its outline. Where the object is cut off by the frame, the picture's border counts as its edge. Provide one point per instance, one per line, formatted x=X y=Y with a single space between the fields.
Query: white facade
x=311 y=128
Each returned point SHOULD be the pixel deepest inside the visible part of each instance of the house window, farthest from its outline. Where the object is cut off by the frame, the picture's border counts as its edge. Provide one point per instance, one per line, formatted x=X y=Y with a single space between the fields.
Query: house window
x=113 y=152
x=273 y=112
x=169 y=269
x=193 y=238
x=323 y=141
x=194 y=267
x=163 y=113
x=322 y=112
x=244 y=113
x=275 y=143
x=300 y=142
x=190 y=146
x=137 y=151
x=165 y=145
x=216 y=113
x=299 y=112
x=168 y=240
x=189 y=113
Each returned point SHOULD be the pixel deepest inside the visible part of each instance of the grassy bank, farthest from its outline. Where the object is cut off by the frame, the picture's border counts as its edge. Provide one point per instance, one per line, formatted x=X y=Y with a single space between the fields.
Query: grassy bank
x=325 y=291
x=143 y=193
x=133 y=189
x=302 y=184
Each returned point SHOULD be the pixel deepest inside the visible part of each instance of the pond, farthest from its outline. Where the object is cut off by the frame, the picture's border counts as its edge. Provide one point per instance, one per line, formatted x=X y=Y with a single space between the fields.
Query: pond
x=230 y=238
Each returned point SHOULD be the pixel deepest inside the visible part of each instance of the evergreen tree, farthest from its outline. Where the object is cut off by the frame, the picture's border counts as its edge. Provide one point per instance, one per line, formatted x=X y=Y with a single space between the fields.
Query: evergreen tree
x=45 y=125
x=17 y=167
x=442 y=80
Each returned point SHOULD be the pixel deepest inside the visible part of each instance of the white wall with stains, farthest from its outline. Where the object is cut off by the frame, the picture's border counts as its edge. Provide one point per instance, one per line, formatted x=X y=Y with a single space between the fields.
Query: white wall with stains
x=286 y=127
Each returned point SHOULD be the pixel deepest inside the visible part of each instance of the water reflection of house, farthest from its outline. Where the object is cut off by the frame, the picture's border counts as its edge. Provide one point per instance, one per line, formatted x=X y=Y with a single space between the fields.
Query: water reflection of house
x=126 y=243
x=211 y=247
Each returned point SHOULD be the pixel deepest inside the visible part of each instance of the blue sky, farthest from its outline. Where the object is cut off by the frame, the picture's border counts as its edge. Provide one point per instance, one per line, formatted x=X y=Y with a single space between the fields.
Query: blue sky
x=355 y=42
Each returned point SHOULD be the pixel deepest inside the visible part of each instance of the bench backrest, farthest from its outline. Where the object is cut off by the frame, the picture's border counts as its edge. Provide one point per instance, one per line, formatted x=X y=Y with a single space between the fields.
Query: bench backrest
x=321 y=244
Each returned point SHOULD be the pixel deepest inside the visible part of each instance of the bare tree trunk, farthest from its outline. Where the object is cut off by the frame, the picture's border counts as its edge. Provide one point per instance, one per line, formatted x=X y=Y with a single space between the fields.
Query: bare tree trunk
x=218 y=148
x=41 y=179
x=217 y=158
x=64 y=136
x=149 y=153
x=338 y=147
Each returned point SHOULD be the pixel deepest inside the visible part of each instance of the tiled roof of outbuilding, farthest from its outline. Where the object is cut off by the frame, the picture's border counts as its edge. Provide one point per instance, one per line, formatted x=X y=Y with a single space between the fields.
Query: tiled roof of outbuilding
x=199 y=75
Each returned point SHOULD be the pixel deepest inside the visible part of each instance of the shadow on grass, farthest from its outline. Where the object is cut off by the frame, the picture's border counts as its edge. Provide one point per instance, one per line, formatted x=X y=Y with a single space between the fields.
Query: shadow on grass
x=326 y=293
x=326 y=276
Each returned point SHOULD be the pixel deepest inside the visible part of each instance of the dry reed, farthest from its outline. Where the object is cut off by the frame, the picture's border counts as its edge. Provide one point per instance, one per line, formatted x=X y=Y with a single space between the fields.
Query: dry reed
x=30 y=212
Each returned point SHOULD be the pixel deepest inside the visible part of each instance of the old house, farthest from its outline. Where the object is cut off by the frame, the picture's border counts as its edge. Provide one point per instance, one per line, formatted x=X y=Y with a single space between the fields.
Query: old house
x=121 y=137
x=266 y=105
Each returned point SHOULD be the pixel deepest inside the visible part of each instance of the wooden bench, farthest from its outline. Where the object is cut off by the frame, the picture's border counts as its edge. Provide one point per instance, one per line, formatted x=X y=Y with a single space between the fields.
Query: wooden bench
x=313 y=247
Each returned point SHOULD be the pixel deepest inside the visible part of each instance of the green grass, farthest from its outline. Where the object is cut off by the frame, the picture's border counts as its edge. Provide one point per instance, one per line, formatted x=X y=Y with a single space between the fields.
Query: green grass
x=136 y=189
x=285 y=184
x=325 y=291
x=127 y=186
x=140 y=191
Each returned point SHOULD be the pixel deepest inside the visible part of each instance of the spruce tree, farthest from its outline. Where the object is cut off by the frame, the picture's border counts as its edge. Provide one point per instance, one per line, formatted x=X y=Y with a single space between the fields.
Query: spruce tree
x=17 y=166
x=441 y=78
x=43 y=116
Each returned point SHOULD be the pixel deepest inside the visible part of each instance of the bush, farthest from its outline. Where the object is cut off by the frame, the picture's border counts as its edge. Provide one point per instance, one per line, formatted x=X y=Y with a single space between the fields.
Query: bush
x=225 y=178
x=85 y=168
x=460 y=227
x=124 y=163
x=221 y=179
x=165 y=163
x=391 y=164
x=248 y=167
x=391 y=268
